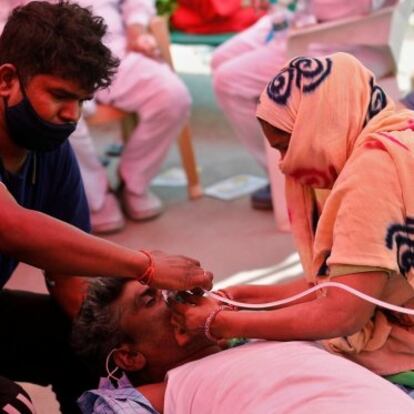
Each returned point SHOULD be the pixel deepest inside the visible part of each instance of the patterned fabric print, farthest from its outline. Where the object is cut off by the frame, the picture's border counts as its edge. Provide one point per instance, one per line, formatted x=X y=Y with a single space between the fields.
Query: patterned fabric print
x=14 y=399
x=314 y=177
x=378 y=101
x=109 y=399
x=327 y=126
x=307 y=73
x=402 y=237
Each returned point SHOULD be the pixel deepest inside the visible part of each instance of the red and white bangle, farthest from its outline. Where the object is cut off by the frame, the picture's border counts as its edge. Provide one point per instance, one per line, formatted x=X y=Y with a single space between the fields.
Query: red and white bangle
x=147 y=277
x=223 y=293
x=207 y=324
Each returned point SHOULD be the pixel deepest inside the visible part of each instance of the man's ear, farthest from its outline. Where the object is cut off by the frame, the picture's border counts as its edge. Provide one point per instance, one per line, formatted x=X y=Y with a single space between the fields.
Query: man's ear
x=9 y=80
x=129 y=359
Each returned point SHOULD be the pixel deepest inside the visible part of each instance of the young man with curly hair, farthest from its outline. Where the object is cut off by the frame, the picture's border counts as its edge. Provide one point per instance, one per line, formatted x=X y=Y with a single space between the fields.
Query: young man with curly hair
x=51 y=59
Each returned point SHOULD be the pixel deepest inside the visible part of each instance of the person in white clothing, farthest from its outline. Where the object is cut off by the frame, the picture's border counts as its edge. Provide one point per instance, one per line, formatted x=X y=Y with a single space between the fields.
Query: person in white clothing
x=167 y=371
x=146 y=85
x=243 y=66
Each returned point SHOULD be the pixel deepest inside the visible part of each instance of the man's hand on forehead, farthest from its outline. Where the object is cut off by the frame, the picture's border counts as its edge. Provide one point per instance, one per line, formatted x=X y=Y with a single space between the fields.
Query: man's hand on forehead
x=177 y=272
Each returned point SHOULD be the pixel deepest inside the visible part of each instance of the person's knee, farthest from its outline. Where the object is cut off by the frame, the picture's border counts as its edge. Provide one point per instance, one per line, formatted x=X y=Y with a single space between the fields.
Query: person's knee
x=223 y=81
x=217 y=59
x=14 y=399
x=175 y=100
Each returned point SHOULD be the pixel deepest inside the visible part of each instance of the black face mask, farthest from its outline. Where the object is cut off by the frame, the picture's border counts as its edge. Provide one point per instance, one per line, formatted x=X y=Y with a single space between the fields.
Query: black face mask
x=31 y=132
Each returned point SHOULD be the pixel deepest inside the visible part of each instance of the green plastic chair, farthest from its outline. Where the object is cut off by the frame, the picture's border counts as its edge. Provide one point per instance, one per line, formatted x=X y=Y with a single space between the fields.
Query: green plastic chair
x=214 y=40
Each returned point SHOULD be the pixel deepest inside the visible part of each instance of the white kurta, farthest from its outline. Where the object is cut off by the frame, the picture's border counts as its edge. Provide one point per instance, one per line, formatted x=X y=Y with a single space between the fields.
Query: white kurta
x=145 y=86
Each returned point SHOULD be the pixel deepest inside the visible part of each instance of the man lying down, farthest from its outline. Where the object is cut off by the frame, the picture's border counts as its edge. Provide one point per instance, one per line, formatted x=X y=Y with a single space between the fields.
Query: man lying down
x=124 y=329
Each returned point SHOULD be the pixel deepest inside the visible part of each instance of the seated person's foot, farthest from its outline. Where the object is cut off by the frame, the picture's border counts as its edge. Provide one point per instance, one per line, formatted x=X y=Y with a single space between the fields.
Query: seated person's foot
x=262 y=198
x=108 y=218
x=114 y=150
x=141 y=207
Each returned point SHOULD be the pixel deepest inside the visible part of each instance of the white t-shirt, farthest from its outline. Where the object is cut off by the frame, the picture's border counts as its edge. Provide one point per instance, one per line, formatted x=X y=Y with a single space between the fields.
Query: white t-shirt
x=280 y=377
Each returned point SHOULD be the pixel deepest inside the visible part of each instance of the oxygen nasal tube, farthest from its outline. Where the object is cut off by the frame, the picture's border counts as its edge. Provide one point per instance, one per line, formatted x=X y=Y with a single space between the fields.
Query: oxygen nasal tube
x=320 y=286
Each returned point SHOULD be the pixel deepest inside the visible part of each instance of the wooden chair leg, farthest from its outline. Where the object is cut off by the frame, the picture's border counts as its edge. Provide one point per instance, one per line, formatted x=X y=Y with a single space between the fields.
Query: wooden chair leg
x=188 y=160
x=128 y=124
x=159 y=28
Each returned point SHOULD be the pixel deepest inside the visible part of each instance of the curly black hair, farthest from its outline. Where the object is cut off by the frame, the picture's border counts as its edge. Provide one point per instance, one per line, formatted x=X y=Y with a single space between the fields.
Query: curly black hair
x=62 y=39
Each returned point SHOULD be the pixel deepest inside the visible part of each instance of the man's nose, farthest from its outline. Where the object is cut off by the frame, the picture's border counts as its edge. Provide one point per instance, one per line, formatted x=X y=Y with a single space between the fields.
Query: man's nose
x=70 y=111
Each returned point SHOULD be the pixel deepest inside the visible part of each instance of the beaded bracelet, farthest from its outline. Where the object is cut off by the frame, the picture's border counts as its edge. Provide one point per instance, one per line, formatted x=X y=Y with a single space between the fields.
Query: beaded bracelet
x=207 y=324
x=223 y=293
x=148 y=275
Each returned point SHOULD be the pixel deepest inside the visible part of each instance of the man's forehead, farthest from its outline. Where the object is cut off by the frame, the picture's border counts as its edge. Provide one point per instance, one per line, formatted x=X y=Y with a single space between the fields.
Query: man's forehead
x=132 y=292
x=69 y=86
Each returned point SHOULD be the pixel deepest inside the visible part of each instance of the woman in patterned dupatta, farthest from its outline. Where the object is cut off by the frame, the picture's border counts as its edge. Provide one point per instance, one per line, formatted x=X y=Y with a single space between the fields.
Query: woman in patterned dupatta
x=348 y=158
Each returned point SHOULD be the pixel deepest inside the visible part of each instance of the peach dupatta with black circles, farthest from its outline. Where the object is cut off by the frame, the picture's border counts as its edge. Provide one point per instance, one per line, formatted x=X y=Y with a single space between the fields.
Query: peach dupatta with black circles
x=347 y=138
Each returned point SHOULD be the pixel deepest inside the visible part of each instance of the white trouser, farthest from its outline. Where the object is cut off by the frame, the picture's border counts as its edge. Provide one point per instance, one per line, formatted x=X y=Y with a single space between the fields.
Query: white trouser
x=241 y=69
x=245 y=64
x=162 y=102
x=93 y=173
x=160 y=98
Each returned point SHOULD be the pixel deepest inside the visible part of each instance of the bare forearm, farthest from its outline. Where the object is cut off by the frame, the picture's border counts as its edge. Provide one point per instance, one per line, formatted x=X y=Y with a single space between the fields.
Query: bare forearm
x=283 y=324
x=58 y=247
x=336 y=313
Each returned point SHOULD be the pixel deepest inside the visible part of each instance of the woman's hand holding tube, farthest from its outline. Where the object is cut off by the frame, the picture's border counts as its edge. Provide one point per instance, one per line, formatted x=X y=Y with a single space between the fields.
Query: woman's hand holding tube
x=192 y=315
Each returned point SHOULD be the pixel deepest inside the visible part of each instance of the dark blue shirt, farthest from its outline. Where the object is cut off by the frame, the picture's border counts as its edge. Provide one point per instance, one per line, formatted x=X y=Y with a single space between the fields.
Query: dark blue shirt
x=51 y=183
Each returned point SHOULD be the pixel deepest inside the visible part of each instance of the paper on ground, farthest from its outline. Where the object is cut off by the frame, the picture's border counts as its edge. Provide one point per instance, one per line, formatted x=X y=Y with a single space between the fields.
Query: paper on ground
x=235 y=187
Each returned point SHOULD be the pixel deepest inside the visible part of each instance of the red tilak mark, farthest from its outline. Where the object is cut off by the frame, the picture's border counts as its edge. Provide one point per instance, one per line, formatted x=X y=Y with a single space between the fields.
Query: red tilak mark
x=374 y=144
x=391 y=138
x=311 y=176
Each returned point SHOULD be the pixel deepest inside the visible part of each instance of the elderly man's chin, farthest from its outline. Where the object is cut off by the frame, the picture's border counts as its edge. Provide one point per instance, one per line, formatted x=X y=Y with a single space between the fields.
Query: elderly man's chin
x=181 y=337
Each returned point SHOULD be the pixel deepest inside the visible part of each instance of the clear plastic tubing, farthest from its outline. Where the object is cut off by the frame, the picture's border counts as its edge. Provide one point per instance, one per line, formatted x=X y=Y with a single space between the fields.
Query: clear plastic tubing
x=300 y=295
